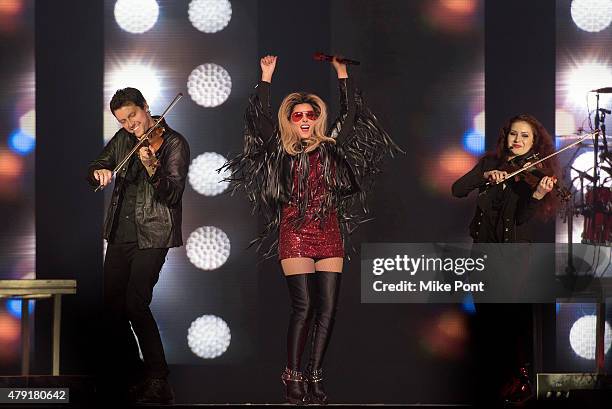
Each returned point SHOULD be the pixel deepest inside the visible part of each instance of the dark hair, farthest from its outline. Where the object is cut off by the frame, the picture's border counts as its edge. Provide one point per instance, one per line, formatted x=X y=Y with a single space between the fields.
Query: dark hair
x=127 y=96
x=543 y=144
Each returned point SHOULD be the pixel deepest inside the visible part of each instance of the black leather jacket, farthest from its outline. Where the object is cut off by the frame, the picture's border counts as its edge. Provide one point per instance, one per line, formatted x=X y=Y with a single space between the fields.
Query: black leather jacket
x=158 y=201
x=517 y=207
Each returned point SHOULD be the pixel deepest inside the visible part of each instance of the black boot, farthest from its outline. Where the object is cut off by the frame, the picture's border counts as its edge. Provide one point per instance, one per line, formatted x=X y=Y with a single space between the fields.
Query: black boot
x=295 y=387
x=326 y=289
x=297 y=333
x=316 y=391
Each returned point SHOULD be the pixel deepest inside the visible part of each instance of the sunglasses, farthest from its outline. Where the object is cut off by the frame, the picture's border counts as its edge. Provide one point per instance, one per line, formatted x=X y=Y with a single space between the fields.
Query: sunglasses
x=297 y=116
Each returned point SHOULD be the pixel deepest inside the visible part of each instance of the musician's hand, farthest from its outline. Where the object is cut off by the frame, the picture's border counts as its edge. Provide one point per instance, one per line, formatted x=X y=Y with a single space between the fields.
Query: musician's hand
x=544 y=187
x=104 y=176
x=496 y=176
x=268 y=65
x=340 y=68
x=148 y=159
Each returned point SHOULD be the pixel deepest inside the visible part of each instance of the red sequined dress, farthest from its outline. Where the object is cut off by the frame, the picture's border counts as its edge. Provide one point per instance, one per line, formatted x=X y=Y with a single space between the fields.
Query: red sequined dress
x=316 y=236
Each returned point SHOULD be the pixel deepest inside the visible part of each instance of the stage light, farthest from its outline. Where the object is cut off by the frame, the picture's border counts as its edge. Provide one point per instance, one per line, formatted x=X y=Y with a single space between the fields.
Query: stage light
x=111 y=126
x=592 y=15
x=474 y=142
x=203 y=175
x=13 y=306
x=584 y=77
x=478 y=123
x=564 y=123
x=9 y=329
x=135 y=75
x=136 y=16
x=11 y=165
x=27 y=123
x=210 y=16
x=584 y=163
x=209 y=85
x=582 y=337
x=208 y=247
x=208 y=336
x=460 y=6
x=21 y=143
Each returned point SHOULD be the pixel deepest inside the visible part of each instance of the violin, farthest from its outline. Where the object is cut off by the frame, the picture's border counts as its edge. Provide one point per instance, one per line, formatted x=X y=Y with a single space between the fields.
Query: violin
x=520 y=168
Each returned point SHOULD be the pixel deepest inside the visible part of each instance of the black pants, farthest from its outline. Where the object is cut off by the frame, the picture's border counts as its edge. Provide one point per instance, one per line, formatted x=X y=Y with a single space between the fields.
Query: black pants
x=130 y=274
x=314 y=296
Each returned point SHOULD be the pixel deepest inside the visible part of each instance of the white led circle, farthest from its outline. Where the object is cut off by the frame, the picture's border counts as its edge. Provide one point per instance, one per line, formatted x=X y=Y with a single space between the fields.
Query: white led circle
x=203 y=176
x=592 y=15
x=208 y=336
x=209 y=85
x=210 y=16
x=136 y=16
x=208 y=247
x=136 y=75
x=584 y=163
x=582 y=337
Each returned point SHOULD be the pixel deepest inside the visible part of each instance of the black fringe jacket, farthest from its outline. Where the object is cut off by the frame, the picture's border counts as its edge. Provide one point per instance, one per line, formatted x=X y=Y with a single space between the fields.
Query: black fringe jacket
x=264 y=169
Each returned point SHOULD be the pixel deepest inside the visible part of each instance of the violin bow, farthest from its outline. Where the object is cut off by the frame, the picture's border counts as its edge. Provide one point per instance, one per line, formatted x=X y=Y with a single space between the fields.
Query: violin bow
x=513 y=174
x=142 y=139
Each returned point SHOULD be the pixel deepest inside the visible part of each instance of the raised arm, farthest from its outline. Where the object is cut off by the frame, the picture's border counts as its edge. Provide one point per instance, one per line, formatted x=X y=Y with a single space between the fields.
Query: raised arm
x=263 y=118
x=346 y=118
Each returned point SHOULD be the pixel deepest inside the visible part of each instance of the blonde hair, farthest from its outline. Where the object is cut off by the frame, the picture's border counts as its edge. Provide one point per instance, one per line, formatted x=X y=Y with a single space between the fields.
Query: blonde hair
x=290 y=138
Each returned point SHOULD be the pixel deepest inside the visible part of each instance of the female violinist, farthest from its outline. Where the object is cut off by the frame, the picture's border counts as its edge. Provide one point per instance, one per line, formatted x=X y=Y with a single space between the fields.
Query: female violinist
x=505 y=204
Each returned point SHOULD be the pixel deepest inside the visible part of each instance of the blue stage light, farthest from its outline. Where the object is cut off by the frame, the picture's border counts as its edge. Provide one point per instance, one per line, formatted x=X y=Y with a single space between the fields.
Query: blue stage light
x=474 y=142
x=13 y=306
x=21 y=143
x=468 y=304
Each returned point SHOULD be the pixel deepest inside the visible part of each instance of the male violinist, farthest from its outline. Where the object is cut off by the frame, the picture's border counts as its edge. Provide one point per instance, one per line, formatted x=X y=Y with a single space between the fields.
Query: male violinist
x=143 y=221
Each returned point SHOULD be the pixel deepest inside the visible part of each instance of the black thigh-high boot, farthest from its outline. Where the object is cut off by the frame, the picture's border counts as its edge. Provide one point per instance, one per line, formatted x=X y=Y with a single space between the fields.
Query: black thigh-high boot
x=299 y=323
x=326 y=287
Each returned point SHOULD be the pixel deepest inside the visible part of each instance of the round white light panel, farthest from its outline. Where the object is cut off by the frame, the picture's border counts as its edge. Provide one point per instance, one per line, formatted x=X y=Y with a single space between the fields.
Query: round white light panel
x=209 y=85
x=136 y=16
x=208 y=336
x=203 y=176
x=592 y=15
x=582 y=337
x=208 y=247
x=210 y=16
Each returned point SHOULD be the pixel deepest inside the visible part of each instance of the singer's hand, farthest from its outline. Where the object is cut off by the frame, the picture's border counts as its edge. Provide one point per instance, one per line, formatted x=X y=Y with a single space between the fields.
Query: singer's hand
x=340 y=68
x=267 y=64
x=104 y=176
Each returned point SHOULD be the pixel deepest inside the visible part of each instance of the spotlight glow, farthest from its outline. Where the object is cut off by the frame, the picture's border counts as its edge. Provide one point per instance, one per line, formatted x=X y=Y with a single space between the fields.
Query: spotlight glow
x=21 y=143
x=13 y=306
x=474 y=142
x=111 y=126
x=203 y=175
x=27 y=123
x=582 y=337
x=584 y=163
x=584 y=77
x=564 y=123
x=136 y=75
x=210 y=16
x=592 y=15
x=479 y=122
x=136 y=16
x=208 y=336
x=208 y=247
x=209 y=85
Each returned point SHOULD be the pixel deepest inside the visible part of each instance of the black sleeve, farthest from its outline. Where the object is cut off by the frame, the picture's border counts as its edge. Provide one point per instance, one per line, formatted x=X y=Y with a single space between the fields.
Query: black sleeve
x=264 y=120
x=470 y=181
x=169 y=178
x=346 y=117
x=106 y=160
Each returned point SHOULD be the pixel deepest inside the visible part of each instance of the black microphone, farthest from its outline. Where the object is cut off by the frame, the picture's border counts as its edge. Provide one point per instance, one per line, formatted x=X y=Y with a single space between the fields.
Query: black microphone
x=606 y=90
x=605 y=111
x=326 y=57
